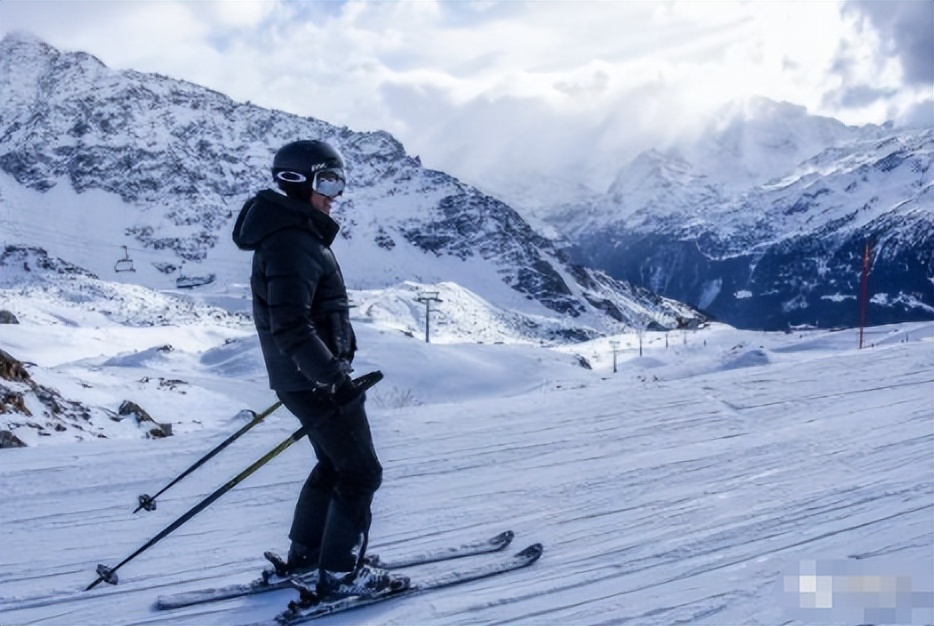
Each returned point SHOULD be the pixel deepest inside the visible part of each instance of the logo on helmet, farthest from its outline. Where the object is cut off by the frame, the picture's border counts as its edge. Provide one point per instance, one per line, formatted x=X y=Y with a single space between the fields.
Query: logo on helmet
x=291 y=177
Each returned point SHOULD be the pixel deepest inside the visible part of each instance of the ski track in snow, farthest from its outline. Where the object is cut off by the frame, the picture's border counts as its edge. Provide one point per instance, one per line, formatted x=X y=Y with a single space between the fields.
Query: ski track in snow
x=679 y=501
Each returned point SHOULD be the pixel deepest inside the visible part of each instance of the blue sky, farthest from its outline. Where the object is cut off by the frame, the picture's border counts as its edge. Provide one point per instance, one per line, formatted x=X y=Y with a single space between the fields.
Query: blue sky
x=499 y=90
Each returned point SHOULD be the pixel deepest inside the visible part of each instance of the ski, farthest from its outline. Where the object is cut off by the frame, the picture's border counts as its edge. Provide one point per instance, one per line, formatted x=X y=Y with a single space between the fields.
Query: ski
x=308 y=608
x=481 y=546
x=270 y=581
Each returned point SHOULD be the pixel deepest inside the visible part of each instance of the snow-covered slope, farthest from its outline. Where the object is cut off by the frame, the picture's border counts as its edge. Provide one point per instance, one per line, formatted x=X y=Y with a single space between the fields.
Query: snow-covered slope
x=725 y=477
x=149 y=172
x=763 y=220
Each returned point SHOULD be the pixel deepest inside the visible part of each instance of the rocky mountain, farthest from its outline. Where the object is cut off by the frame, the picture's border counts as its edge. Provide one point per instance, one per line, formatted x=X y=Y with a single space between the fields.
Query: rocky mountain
x=149 y=172
x=764 y=220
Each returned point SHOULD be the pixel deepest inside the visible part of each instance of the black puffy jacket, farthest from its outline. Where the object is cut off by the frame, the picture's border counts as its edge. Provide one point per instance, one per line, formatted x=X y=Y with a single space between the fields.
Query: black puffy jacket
x=300 y=304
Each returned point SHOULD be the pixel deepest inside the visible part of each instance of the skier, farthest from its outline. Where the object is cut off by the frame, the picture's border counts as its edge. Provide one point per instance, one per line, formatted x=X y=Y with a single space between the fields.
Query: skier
x=301 y=313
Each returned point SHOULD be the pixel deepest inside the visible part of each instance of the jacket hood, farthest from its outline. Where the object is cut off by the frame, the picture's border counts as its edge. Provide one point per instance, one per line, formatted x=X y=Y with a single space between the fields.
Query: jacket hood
x=269 y=212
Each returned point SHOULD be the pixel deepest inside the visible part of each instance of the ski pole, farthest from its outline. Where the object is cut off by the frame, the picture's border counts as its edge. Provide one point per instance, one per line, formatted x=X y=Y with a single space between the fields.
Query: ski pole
x=149 y=502
x=108 y=574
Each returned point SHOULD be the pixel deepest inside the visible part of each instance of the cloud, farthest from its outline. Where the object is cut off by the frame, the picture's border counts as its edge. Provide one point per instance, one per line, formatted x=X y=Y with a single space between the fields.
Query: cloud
x=906 y=31
x=497 y=90
x=884 y=63
x=237 y=15
x=857 y=96
x=917 y=115
x=590 y=82
x=478 y=13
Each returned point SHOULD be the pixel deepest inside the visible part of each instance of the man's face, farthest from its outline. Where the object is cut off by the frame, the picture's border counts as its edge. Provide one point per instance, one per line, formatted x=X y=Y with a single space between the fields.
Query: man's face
x=320 y=202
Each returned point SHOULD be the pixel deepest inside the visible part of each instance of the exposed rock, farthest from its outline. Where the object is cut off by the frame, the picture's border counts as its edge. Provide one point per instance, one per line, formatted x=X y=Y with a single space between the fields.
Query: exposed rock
x=156 y=430
x=12 y=369
x=9 y=440
x=53 y=413
x=12 y=402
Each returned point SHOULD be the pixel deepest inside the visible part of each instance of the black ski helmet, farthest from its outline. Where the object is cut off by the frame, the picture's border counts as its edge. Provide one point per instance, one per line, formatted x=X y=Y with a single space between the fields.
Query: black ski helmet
x=297 y=163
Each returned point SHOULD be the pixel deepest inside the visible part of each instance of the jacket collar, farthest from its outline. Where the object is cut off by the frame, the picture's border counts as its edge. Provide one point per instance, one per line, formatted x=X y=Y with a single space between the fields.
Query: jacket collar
x=320 y=224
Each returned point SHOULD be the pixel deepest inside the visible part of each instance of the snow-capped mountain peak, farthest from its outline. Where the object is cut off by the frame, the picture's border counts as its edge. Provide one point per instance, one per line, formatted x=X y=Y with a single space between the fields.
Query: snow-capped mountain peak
x=764 y=218
x=151 y=169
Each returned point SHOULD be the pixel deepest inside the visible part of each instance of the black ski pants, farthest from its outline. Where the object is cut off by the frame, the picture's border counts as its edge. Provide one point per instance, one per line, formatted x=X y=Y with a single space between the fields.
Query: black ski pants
x=332 y=515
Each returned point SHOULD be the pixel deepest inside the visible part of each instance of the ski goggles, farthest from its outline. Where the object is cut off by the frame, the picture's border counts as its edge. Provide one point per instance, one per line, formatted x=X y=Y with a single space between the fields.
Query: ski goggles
x=329 y=182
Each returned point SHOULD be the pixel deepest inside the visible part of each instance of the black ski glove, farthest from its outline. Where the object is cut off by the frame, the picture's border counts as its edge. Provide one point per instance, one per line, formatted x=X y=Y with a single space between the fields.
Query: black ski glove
x=348 y=390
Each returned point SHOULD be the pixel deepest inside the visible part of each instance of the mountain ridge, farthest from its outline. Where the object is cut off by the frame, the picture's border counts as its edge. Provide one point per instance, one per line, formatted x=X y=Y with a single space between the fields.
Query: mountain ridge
x=763 y=248
x=182 y=158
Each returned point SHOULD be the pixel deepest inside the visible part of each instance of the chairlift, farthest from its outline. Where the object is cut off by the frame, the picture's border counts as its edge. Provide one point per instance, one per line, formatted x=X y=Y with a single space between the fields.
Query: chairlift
x=125 y=264
x=189 y=282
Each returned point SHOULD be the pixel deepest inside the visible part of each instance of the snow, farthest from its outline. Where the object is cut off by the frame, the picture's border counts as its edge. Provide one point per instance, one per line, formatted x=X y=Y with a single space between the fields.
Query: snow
x=725 y=477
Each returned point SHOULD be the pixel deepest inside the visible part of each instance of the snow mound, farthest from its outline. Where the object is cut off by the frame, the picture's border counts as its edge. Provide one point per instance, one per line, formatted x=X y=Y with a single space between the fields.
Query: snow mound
x=236 y=358
x=154 y=356
x=644 y=363
x=751 y=358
